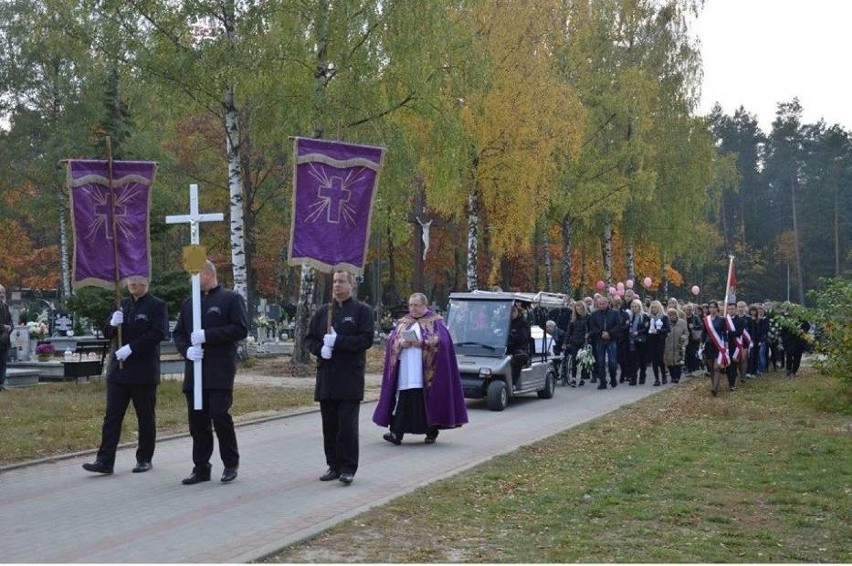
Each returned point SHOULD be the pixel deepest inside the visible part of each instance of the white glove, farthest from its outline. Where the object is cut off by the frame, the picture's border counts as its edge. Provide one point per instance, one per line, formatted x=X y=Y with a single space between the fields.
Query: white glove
x=326 y=353
x=195 y=353
x=123 y=353
x=329 y=339
x=197 y=337
x=117 y=318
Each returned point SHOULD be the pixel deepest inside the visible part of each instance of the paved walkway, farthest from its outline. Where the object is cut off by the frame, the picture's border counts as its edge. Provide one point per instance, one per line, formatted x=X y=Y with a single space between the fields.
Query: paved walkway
x=56 y=512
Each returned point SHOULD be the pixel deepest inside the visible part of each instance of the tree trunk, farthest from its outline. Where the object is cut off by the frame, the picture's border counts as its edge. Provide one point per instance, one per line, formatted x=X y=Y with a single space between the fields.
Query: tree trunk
x=630 y=260
x=235 y=189
x=799 y=278
x=567 y=224
x=472 y=227
x=235 y=179
x=301 y=355
x=548 y=261
x=608 y=249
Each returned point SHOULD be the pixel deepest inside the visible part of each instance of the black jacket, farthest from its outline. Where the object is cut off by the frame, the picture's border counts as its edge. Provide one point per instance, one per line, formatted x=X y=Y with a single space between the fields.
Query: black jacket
x=519 y=337
x=609 y=321
x=146 y=324
x=225 y=323
x=342 y=377
x=578 y=331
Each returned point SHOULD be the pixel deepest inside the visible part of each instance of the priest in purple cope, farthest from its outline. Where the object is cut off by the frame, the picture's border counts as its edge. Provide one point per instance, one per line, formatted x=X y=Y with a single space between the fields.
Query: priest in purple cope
x=421 y=386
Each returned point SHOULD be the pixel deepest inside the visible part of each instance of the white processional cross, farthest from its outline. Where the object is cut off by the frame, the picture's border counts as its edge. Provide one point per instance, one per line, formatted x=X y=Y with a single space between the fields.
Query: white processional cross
x=194 y=219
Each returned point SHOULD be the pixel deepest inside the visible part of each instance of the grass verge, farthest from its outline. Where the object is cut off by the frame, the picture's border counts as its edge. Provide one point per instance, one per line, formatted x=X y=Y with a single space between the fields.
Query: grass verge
x=58 y=418
x=762 y=475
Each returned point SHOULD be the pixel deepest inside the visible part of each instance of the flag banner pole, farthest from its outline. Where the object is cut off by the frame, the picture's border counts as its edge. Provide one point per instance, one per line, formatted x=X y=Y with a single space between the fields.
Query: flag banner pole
x=113 y=235
x=728 y=285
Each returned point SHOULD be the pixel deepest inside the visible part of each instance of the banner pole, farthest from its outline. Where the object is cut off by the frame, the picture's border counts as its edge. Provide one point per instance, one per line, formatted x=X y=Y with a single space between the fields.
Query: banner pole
x=728 y=286
x=117 y=290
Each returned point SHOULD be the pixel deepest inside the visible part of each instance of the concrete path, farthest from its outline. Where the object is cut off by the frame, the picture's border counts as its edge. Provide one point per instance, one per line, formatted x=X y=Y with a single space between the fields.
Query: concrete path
x=56 y=512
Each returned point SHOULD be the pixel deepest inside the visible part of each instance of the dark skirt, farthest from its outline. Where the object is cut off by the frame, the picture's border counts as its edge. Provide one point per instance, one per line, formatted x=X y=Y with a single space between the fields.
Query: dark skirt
x=410 y=413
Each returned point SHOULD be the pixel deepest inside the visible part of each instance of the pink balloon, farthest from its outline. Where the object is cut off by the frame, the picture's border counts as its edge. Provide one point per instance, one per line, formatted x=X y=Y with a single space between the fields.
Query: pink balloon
x=629 y=283
x=620 y=286
x=612 y=290
x=695 y=290
x=646 y=282
x=600 y=285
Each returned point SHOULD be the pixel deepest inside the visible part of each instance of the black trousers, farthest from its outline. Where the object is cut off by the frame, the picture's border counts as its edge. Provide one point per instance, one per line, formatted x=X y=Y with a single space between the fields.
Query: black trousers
x=340 y=434
x=214 y=413
x=119 y=396
x=792 y=359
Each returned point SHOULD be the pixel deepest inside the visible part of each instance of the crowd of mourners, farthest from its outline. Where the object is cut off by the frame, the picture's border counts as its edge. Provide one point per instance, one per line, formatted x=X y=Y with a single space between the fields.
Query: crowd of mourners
x=613 y=339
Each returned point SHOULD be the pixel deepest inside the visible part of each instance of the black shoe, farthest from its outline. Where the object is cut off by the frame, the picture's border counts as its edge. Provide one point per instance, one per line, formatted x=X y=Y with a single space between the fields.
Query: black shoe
x=330 y=474
x=602 y=385
x=657 y=383
x=97 y=467
x=431 y=438
x=665 y=380
x=229 y=475
x=612 y=383
x=582 y=383
x=392 y=438
x=642 y=381
x=632 y=382
x=346 y=478
x=733 y=388
x=142 y=467
x=195 y=477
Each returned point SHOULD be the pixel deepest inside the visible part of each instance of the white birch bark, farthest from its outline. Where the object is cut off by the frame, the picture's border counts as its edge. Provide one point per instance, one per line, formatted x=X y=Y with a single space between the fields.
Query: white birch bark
x=567 y=225
x=472 y=228
x=235 y=190
x=607 y=249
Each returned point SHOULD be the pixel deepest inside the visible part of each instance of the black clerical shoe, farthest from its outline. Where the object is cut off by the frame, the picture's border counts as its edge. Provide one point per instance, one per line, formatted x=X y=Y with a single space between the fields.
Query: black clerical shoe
x=142 y=467
x=229 y=475
x=346 y=478
x=97 y=467
x=330 y=474
x=195 y=477
x=392 y=438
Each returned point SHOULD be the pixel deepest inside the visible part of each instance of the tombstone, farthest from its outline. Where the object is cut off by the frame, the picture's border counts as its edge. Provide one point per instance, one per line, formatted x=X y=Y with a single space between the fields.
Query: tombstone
x=20 y=339
x=62 y=323
x=274 y=312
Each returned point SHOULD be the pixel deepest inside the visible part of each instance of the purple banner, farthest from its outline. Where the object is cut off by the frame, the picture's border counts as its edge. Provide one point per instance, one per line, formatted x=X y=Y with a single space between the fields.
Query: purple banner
x=334 y=185
x=108 y=225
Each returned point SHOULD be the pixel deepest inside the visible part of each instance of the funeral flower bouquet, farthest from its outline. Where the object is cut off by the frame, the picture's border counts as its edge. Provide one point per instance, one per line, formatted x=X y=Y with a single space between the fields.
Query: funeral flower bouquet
x=36 y=329
x=586 y=359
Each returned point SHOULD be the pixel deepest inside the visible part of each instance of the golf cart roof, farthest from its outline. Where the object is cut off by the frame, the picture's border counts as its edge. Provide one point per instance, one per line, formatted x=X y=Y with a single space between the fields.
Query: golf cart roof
x=550 y=300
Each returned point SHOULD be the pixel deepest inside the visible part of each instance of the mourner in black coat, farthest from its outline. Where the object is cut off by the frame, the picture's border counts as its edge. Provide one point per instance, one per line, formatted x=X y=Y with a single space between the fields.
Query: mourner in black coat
x=5 y=333
x=134 y=376
x=341 y=352
x=223 y=324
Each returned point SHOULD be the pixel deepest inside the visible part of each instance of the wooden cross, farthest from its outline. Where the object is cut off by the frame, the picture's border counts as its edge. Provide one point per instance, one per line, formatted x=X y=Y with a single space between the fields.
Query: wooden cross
x=194 y=218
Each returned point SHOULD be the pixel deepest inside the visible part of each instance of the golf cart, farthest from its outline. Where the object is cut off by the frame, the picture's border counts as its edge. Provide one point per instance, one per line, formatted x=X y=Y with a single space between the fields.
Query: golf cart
x=478 y=322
